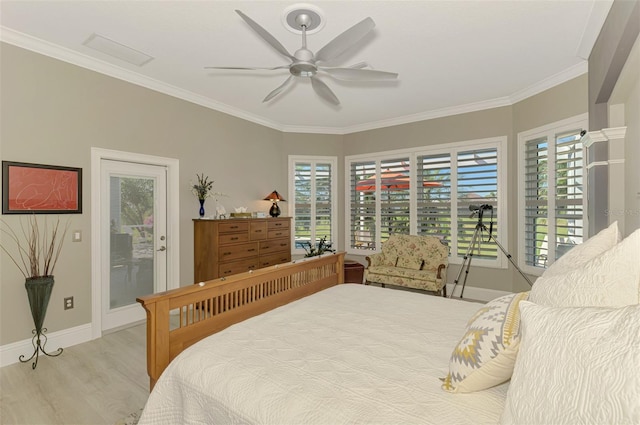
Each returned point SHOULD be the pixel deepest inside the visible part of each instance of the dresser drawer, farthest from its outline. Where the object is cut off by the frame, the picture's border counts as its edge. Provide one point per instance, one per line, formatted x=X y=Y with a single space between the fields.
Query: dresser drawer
x=273 y=259
x=276 y=245
x=235 y=267
x=277 y=224
x=234 y=252
x=233 y=226
x=258 y=230
x=227 y=238
x=278 y=233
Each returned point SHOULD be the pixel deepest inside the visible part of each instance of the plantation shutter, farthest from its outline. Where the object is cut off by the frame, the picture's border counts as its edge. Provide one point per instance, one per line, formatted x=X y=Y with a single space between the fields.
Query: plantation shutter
x=554 y=210
x=362 y=229
x=477 y=184
x=569 y=192
x=312 y=210
x=303 y=208
x=323 y=180
x=394 y=197
x=536 y=198
x=433 y=179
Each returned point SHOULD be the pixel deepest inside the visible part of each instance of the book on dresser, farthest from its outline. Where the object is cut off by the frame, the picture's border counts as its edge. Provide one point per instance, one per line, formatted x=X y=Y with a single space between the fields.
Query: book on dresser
x=226 y=247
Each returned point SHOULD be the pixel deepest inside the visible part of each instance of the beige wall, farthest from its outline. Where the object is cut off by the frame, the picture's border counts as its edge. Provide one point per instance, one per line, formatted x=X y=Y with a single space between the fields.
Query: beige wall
x=53 y=112
x=632 y=159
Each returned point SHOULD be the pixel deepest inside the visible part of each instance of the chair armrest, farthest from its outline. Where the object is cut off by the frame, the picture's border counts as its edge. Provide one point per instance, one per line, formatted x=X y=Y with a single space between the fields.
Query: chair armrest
x=441 y=268
x=374 y=259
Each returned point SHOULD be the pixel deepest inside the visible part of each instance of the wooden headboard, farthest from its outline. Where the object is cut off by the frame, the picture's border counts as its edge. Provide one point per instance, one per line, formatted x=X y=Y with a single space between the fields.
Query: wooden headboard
x=181 y=317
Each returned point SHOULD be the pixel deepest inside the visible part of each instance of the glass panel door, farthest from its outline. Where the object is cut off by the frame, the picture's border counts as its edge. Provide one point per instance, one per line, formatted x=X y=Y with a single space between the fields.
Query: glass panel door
x=135 y=209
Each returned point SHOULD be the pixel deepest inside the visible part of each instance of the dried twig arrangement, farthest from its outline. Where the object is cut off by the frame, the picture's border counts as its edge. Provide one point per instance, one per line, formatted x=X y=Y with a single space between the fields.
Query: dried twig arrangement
x=38 y=251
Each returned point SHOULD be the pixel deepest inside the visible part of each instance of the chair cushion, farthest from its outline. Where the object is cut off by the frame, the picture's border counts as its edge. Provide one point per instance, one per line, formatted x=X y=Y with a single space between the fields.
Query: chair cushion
x=410 y=263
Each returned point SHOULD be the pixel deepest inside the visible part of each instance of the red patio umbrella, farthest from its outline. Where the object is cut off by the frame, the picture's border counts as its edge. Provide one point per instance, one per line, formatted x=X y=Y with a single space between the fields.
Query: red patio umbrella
x=390 y=180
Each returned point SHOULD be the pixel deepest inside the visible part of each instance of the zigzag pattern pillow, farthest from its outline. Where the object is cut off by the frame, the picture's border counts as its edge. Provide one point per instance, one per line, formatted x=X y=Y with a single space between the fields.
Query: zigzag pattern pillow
x=486 y=354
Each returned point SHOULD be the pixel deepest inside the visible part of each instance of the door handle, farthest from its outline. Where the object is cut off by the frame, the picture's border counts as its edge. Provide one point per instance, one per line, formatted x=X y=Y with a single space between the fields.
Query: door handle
x=162 y=248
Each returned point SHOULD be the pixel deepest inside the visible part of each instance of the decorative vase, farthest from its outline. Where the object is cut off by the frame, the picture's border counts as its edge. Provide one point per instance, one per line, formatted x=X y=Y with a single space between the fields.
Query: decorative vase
x=201 y=207
x=274 y=211
x=39 y=292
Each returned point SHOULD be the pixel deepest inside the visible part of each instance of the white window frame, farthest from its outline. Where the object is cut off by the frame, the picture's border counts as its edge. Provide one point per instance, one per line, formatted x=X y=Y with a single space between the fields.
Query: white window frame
x=549 y=131
x=313 y=160
x=453 y=148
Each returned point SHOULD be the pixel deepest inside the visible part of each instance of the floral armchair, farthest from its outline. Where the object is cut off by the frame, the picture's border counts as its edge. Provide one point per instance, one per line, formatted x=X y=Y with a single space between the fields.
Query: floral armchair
x=411 y=261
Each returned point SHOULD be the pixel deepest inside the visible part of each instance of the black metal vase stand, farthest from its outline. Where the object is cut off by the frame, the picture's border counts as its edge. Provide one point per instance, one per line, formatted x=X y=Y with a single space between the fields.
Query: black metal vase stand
x=39 y=292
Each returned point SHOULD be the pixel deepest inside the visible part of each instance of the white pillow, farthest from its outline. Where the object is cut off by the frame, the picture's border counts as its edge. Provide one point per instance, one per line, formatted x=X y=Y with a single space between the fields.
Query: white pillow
x=576 y=366
x=610 y=280
x=582 y=253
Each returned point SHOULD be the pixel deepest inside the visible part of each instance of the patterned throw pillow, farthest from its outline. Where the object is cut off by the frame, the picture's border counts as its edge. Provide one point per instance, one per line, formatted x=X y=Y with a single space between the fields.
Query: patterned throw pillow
x=409 y=263
x=485 y=355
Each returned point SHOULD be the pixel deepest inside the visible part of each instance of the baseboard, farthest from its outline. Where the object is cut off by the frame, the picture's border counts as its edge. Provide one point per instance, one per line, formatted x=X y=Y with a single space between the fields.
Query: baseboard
x=65 y=338
x=475 y=293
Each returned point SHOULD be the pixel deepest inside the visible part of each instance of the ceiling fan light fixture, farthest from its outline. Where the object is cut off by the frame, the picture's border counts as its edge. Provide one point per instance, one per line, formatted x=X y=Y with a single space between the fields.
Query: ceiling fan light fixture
x=303 y=69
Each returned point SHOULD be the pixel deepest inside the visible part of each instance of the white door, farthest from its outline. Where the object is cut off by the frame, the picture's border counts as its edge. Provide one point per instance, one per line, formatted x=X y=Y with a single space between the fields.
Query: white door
x=133 y=230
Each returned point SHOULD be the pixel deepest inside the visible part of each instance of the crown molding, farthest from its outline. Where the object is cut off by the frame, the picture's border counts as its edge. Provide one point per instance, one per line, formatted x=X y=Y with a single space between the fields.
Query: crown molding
x=67 y=55
x=550 y=82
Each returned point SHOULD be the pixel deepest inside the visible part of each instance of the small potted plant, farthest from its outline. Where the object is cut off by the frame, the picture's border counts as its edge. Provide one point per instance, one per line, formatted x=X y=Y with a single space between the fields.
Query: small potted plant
x=323 y=246
x=202 y=190
x=38 y=250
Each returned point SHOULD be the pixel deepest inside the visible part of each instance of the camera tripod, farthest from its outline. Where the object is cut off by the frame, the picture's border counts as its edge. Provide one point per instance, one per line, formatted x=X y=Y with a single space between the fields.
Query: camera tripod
x=476 y=241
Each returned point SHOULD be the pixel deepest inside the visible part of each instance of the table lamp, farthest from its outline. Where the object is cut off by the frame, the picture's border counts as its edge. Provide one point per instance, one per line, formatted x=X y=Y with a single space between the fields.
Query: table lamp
x=274 y=197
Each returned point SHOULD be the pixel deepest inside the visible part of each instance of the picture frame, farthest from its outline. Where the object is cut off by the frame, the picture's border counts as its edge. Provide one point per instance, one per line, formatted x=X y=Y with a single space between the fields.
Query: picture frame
x=40 y=189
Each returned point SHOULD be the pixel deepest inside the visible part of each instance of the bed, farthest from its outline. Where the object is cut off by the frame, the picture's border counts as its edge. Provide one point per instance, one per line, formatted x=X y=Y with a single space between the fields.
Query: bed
x=293 y=344
x=348 y=354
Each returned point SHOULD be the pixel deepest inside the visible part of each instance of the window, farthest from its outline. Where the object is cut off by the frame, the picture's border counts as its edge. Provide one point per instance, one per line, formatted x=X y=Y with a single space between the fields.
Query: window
x=312 y=200
x=551 y=192
x=428 y=190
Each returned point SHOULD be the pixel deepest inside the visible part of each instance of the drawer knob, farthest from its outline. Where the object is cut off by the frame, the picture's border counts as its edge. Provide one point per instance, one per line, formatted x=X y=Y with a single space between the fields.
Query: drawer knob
x=234 y=239
x=226 y=253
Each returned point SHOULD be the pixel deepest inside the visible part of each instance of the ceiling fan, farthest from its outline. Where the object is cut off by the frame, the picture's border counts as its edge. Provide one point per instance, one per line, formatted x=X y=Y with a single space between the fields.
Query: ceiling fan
x=306 y=64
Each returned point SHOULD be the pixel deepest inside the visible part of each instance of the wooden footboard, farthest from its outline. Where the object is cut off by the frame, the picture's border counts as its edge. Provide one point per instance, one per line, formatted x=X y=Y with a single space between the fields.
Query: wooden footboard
x=181 y=317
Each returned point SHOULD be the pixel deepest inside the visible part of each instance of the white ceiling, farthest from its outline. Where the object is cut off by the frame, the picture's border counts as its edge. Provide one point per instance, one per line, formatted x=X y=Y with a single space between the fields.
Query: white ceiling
x=451 y=56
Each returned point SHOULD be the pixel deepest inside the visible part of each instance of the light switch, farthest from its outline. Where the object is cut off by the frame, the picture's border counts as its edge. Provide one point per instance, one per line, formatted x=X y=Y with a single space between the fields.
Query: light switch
x=77 y=236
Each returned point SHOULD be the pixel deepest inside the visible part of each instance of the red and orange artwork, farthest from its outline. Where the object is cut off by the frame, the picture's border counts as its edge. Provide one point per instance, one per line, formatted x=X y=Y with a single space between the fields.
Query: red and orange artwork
x=41 y=189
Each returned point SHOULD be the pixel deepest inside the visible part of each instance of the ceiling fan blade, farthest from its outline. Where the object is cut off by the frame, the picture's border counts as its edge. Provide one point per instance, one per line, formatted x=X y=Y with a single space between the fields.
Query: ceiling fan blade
x=354 y=74
x=359 y=65
x=324 y=91
x=244 y=68
x=341 y=43
x=278 y=89
x=265 y=35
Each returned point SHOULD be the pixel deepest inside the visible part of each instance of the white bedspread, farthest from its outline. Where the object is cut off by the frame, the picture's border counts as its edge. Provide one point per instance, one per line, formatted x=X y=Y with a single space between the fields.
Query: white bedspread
x=352 y=354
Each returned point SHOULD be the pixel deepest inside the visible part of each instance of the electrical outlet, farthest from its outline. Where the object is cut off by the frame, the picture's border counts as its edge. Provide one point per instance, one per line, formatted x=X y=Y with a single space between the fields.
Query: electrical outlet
x=68 y=303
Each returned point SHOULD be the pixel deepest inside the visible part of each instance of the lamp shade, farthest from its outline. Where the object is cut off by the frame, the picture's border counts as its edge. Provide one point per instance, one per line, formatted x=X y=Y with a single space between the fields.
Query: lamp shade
x=274 y=196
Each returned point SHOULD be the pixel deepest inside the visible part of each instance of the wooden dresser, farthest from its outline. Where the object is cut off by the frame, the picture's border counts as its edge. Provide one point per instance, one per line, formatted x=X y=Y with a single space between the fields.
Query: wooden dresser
x=226 y=247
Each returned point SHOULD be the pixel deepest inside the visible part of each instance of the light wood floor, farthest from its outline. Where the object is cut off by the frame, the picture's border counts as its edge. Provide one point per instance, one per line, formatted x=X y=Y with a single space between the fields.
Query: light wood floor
x=97 y=382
